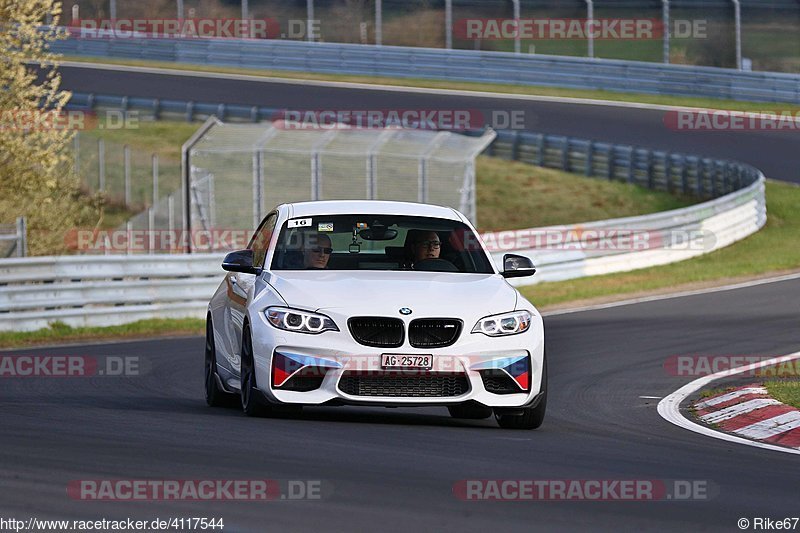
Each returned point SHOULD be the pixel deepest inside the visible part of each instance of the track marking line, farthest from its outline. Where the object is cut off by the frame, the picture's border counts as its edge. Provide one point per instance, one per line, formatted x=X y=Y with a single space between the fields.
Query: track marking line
x=650 y=397
x=730 y=396
x=669 y=407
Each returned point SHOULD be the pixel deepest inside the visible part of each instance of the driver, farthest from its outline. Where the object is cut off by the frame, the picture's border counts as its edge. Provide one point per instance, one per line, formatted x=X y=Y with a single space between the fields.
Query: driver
x=422 y=245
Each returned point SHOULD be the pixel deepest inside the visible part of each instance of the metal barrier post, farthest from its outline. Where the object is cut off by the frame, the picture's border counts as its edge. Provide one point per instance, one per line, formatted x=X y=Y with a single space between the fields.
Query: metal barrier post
x=589 y=19
x=517 y=35
x=309 y=20
x=129 y=231
x=378 y=22
x=667 y=31
x=22 y=237
x=127 y=156
x=151 y=226
x=737 y=6
x=448 y=24
x=101 y=164
x=155 y=178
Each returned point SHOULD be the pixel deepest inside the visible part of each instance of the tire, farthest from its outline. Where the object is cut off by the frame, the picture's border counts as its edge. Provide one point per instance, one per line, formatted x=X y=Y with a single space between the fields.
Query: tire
x=470 y=412
x=532 y=417
x=252 y=400
x=250 y=395
x=215 y=396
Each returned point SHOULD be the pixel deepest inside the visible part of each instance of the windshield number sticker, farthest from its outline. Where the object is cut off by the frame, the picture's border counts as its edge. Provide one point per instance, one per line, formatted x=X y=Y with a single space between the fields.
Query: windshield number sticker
x=300 y=223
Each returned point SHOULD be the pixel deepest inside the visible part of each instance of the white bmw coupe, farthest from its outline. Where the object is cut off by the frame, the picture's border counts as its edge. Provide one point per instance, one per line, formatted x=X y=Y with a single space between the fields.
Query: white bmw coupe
x=376 y=304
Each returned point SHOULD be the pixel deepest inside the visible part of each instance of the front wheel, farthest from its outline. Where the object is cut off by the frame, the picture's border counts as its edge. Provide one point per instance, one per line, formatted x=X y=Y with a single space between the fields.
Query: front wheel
x=252 y=401
x=531 y=417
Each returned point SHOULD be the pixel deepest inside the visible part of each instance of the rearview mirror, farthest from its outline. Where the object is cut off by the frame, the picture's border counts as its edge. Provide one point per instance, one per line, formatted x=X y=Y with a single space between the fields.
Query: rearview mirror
x=240 y=261
x=378 y=233
x=517 y=266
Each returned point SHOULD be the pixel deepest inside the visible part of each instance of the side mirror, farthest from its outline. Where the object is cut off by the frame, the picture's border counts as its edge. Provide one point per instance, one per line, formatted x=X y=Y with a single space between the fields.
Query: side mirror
x=517 y=266
x=240 y=261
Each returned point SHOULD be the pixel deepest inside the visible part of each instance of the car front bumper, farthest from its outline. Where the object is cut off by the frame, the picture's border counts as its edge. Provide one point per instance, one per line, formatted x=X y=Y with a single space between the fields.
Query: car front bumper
x=335 y=357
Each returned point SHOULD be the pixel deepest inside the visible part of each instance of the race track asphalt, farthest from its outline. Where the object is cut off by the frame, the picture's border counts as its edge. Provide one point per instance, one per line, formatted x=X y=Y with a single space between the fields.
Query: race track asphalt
x=394 y=469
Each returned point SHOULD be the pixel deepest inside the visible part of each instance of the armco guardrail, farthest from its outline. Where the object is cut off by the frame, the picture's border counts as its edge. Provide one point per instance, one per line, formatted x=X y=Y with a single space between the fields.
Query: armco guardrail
x=104 y=290
x=455 y=65
x=109 y=290
x=654 y=169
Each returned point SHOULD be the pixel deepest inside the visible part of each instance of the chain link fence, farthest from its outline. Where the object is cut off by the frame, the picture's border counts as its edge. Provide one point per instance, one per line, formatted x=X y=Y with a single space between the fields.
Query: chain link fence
x=14 y=239
x=128 y=177
x=237 y=172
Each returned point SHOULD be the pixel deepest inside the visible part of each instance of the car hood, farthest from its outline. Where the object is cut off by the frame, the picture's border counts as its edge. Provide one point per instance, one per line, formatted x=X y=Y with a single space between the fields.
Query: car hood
x=384 y=293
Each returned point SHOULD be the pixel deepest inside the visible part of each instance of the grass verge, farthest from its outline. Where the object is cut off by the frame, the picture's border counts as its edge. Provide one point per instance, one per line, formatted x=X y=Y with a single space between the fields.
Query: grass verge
x=774 y=249
x=787 y=392
x=684 y=101
x=58 y=332
x=514 y=195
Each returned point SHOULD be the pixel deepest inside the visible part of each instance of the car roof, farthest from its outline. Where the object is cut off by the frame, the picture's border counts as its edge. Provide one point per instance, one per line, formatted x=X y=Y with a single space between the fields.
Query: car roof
x=371 y=207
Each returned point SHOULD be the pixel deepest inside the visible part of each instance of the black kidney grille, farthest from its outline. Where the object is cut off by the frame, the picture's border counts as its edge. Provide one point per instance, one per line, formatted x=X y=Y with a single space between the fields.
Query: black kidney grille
x=407 y=386
x=434 y=332
x=378 y=331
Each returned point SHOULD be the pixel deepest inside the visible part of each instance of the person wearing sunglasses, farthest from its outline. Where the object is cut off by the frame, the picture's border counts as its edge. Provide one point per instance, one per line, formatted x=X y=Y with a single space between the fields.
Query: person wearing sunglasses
x=317 y=251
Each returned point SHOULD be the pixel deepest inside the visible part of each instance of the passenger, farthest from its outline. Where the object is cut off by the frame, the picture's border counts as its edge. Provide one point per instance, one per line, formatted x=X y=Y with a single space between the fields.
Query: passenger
x=317 y=251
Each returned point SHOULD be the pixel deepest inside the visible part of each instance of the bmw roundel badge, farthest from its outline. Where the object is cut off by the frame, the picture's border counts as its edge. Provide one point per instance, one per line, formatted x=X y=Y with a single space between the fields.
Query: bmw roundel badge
x=405 y=311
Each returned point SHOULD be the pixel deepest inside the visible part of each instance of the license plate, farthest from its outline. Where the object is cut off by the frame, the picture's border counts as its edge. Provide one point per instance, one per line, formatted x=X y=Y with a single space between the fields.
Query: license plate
x=406 y=361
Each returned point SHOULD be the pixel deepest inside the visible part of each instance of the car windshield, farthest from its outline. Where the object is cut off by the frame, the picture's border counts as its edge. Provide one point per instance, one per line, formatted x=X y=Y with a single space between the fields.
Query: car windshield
x=379 y=242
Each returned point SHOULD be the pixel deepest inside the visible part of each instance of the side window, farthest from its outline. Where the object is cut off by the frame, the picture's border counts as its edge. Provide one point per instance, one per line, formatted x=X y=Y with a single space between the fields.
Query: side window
x=260 y=241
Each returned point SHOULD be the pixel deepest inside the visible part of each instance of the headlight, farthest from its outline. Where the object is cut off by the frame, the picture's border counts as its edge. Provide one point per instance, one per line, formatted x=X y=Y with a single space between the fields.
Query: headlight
x=505 y=324
x=299 y=321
